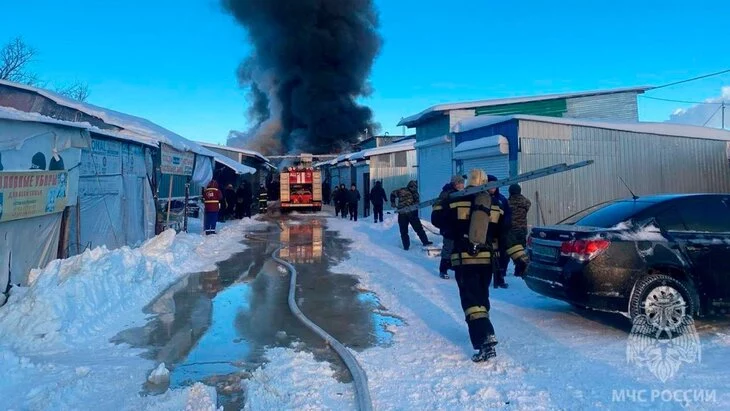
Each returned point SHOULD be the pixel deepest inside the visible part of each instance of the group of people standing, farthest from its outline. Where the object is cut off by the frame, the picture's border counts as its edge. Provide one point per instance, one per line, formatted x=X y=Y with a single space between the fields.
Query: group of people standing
x=346 y=201
x=482 y=232
x=227 y=205
x=514 y=218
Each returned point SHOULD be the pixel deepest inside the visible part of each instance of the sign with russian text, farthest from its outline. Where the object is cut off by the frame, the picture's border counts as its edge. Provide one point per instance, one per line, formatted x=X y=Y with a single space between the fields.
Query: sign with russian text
x=176 y=162
x=26 y=194
x=103 y=158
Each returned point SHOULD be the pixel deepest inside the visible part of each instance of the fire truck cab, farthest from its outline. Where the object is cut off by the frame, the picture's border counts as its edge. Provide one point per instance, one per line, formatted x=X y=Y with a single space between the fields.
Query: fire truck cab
x=301 y=186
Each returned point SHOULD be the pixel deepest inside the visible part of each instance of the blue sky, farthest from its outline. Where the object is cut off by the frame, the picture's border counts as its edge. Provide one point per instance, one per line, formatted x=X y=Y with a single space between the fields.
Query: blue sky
x=174 y=61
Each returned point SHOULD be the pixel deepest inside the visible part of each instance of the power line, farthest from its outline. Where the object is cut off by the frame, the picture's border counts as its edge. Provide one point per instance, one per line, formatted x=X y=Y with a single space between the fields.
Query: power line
x=713 y=115
x=691 y=79
x=678 y=101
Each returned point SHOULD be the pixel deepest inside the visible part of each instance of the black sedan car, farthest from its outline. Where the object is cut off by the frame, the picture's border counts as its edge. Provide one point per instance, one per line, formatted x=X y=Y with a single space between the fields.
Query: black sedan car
x=663 y=256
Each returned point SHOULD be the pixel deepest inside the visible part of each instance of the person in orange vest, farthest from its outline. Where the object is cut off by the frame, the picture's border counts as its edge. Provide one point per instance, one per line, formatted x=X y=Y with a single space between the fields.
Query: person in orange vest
x=212 y=199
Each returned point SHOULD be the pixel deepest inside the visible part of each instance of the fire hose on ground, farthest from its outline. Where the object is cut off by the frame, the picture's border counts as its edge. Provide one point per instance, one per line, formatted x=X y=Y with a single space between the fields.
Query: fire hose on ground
x=360 y=380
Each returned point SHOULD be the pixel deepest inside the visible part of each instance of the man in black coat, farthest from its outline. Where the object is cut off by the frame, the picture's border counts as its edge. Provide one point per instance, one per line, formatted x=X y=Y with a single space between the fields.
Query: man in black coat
x=353 y=198
x=229 y=196
x=378 y=198
x=326 y=192
x=341 y=199
x=243 y=200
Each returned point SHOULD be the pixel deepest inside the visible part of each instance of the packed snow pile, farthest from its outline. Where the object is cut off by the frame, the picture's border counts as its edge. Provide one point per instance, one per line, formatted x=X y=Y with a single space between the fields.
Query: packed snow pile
x=55 y=348
x=198 y=397
x=295 y=380
x=160 y=375
x=74 y=299
x=630 y=232
x=201 y=398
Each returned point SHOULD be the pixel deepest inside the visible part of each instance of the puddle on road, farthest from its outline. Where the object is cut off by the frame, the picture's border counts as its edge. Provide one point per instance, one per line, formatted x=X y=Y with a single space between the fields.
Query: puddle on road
x=215 y=327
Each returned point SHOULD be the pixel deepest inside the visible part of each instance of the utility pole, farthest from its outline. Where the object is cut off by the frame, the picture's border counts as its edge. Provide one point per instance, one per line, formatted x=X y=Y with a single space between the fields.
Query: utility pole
x=723 y=114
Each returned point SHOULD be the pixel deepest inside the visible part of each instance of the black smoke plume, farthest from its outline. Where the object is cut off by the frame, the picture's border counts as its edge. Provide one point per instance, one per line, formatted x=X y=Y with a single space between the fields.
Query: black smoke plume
x=311 y=61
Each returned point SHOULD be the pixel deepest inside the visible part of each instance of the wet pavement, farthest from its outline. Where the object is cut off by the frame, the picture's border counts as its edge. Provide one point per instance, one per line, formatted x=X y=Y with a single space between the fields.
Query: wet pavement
x=215 y=327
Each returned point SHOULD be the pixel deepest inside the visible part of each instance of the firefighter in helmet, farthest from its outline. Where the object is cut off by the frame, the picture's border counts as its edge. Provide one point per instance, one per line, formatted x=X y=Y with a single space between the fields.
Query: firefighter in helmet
x=477 y=224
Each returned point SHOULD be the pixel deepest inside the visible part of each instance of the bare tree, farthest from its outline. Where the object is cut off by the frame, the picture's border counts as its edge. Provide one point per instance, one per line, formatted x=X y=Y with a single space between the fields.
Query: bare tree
x=15 y=59
x=78 y=91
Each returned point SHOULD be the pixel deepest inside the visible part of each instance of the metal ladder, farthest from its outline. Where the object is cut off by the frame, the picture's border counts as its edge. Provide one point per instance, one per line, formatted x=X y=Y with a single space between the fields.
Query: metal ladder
x=530 y=175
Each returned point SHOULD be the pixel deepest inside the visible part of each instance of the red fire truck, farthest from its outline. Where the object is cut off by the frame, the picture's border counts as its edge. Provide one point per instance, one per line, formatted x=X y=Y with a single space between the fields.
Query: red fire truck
x=301 y=186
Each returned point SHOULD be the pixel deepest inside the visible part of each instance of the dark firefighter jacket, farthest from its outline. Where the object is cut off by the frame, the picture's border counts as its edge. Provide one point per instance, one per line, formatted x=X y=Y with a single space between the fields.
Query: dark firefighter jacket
x=461 y=213
x=438 y=215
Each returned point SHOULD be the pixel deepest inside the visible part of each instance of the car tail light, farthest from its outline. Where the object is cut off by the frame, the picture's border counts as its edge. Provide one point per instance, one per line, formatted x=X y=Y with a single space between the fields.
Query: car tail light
x=584 y=250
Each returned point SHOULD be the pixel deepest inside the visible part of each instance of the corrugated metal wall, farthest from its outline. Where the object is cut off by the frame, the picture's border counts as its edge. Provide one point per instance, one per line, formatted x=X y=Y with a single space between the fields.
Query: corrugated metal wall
x=392 y=177
x=457 y=115
x=436 y=127
x=649 y=164
x=508 y=129
x=618 y=106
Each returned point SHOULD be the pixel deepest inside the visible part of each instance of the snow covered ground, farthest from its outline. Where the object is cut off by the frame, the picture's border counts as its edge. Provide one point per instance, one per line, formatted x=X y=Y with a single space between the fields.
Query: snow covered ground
x=55 y=349
x=550 y=355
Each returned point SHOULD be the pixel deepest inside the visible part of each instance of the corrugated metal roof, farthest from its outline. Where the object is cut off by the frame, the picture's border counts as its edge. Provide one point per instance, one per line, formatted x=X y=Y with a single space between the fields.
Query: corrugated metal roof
x=414 y=119
x=404 y=145
x=664 y=129
x=236 y=150
x=232 y=164
x=139 y=126
x=8 y=113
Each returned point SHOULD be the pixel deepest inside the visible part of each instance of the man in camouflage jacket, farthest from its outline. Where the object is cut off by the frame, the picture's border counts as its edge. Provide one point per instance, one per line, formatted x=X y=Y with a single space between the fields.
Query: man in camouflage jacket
x=408 y=196
x=520 y=205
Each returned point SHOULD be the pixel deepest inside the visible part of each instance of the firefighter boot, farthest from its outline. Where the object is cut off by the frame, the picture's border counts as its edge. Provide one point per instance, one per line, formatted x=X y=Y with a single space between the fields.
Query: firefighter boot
x=486 y=351
x=499 y=280
x=444 y=266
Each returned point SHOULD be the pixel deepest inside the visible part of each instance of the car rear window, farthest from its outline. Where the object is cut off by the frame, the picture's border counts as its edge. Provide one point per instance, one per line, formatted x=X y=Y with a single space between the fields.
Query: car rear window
x=610 y=214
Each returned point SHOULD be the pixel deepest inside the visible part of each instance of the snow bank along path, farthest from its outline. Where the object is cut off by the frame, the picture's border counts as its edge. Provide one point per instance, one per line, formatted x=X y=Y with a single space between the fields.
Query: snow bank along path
x=55 y=334
x=362 y=392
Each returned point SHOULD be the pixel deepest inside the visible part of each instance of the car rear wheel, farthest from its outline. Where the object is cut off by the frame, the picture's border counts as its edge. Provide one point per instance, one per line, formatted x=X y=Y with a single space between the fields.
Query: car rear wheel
x=665 y=302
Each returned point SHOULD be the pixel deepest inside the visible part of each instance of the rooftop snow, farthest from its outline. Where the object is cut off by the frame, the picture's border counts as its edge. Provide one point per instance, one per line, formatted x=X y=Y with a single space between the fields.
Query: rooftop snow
x=237 y=150
x=8 y=113
x=141 y=127
x=665 y=129
x=483 y=142
x=231 y=163
x=405 y=145
x=411 y=121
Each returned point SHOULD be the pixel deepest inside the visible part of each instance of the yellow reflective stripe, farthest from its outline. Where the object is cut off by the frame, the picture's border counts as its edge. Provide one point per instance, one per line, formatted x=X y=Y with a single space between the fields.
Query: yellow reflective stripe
x=517 y=255
x=460 y=204
x=476 y=261
x=211 y=201
x=494 y=217
x=481 y=254
x=514 y=249
x=497 y=208
x=437 y=208
x=463 y=213
x=475 y=309
x=478 y=316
